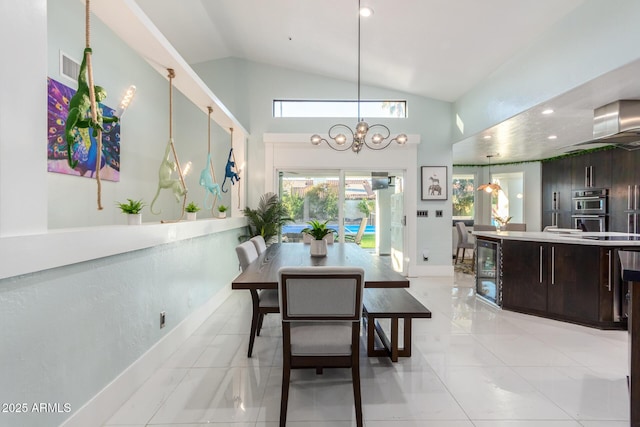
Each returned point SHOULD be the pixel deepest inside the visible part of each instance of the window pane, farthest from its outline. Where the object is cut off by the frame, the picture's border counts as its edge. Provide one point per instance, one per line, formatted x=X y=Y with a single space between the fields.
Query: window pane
x=307 y=198
x=508 y=202
x=463 y=196
x=318 y=108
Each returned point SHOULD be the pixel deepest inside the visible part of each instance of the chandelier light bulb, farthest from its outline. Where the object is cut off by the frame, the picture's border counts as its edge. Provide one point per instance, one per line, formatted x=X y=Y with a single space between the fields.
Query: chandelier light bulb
x=362 y=128
x=359 y=136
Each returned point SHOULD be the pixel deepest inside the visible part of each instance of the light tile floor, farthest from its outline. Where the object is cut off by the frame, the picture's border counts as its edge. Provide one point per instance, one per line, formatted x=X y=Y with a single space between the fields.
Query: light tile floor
x=472 y=365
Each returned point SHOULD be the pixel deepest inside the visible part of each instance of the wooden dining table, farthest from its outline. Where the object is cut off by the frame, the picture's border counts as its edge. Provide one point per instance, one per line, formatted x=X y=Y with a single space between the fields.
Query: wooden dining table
x=263 y=272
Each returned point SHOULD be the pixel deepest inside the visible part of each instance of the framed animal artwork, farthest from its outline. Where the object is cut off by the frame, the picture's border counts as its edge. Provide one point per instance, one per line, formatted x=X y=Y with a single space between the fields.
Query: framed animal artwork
x=435 y=185
x=85 y=145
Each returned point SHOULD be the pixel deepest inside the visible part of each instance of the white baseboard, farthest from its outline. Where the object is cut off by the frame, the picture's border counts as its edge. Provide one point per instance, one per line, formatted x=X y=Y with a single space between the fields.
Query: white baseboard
x=431 y=270
x=103 y=405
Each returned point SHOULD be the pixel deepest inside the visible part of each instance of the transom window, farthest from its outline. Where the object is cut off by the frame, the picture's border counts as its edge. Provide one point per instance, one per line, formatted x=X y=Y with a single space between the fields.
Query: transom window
x=335 y=108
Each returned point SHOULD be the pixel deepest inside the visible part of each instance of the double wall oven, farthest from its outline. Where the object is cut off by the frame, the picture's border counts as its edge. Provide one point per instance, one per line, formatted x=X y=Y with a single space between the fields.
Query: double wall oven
x=590 y=209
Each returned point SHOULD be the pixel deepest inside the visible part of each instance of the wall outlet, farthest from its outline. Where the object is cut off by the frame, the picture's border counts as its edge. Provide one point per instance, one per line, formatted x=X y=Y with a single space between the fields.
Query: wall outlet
x=163 y=319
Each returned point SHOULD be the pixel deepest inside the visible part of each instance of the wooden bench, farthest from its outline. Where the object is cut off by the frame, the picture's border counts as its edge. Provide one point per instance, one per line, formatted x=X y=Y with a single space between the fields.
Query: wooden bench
x=394 y=304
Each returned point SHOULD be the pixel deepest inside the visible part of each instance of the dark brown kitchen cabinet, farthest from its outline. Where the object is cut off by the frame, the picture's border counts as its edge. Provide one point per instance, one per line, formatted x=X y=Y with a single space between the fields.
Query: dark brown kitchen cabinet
x=624 y=196
x=573 y=289
x=556 y=193
x=524 y=286
x=591 y=170
x=561 y=281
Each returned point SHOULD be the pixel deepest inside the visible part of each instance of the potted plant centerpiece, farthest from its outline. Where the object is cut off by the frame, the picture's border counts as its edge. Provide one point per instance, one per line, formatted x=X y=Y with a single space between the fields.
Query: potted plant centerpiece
x=222 y=211
x=132 y=208
x=318 y=230
x=502 y=220
x=192 y=210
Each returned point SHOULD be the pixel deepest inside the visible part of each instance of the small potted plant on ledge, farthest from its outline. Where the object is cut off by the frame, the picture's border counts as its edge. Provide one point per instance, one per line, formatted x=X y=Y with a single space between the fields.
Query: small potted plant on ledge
x=318 y=230
x=192 y=210
x=222 y=211
x=132 y=208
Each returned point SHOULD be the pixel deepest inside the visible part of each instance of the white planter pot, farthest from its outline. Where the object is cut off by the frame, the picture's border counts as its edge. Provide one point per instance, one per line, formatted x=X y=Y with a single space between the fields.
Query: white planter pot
x=191 y=216
x=222 y=214
x=318 y=248
x=134 y=219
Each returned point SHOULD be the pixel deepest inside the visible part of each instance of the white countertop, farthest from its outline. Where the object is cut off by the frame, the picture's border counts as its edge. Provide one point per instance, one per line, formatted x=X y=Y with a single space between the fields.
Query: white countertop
x=563 y=236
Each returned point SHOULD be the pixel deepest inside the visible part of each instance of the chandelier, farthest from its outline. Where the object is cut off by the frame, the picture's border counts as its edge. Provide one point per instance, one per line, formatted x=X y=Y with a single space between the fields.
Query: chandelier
x=490 y=187
x=375 y=137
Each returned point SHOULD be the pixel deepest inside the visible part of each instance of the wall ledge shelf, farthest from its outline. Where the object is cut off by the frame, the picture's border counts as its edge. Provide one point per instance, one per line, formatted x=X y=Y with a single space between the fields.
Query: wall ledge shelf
x=31 y=253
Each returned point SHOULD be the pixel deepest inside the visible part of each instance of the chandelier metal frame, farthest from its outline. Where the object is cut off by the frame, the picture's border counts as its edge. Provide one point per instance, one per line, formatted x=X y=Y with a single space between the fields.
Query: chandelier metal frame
x=371 y=136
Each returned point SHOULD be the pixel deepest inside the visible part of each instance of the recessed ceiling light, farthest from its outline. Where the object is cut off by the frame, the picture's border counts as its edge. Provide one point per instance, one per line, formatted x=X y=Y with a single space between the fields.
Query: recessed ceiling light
x=486 y=137
x=547 y=111
x=366 y=11
x=552 y=137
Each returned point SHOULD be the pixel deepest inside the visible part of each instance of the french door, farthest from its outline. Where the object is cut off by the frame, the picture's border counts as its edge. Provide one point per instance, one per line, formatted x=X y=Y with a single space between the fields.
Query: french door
x=362 y=206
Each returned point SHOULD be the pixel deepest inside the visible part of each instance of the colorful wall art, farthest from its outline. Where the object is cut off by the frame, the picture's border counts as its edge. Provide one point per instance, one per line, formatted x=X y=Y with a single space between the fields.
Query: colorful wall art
x=85 y=149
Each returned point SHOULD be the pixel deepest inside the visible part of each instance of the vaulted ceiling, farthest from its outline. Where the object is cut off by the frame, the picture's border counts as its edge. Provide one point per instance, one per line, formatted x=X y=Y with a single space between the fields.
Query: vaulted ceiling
x=433 y=48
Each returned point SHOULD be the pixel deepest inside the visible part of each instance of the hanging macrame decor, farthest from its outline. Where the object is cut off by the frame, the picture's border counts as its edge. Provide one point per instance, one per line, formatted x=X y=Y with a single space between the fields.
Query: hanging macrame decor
x=208 y=175
x=231 y=170
x=168 y=166
x=83 y=108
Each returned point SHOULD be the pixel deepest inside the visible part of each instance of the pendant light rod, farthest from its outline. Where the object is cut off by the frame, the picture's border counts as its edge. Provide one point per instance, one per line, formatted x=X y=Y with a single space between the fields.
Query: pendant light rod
x=359 y=19
x=374 y=137
x=490 y=187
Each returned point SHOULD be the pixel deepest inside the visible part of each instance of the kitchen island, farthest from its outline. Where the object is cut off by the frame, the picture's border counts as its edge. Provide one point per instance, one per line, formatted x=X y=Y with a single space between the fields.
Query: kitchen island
x=564 y=275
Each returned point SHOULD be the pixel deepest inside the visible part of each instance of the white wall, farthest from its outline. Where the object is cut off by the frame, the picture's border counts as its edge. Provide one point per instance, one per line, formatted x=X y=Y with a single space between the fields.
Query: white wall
x=596 y=38
x=23 y=118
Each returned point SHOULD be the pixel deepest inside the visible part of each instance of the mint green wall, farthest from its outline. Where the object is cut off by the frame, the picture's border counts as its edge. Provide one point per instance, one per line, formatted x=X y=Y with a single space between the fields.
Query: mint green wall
x=68 y=332
x=144 y=128
x=261 y=84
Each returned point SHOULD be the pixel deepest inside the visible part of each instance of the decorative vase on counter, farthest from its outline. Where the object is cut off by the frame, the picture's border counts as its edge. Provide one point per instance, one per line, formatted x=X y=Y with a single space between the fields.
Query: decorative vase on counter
x=191 y=216
x=134 y=219
x=318 y=248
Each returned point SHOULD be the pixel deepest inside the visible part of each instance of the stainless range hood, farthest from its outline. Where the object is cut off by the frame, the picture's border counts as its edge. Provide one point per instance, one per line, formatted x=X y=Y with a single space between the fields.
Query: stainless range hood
x=618 y=123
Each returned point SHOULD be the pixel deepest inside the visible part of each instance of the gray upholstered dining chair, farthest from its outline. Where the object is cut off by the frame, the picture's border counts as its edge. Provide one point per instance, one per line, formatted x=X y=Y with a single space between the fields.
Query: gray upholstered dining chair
x=321 y=312
x=247 y=253
x=264 y=301
x=259 y=243
x=464 y=243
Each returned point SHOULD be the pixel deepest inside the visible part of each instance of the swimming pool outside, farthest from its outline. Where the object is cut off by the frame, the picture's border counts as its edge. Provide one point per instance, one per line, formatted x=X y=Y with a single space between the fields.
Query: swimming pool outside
x=351 y=228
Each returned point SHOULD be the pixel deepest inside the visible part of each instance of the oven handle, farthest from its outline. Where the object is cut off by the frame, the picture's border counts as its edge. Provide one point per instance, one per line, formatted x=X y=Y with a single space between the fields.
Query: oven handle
x=588 y=216
x=590 y=198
